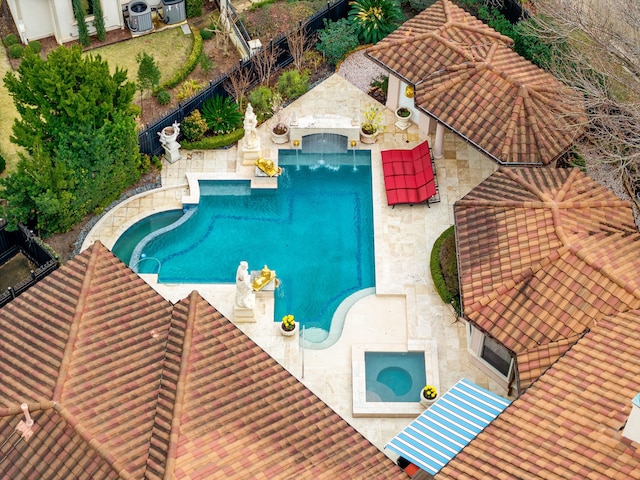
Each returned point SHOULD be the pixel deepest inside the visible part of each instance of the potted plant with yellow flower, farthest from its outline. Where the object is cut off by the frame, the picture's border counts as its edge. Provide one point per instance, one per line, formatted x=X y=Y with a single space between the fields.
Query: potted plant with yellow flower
x=428 y=395
x=372 y=123
x=288 y=326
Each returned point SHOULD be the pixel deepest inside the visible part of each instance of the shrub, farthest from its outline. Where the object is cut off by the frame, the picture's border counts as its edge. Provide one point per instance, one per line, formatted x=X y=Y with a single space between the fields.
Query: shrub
x=337 y=39
x=260 y=100
x=420 y=5
x=98 y=20
x=136 y=110
x=194 y=8
x=164 y=97
x=188 y=89
x=375 y=19
x=16 y=51
x=193 y=127
x=438 y=272
x=219 y=141
x=206 y=63
x=206 y=33
x=222 y=114
x=35 y=46
x=189 y=65
x=10 y=39
x=293 y=84
x=313 y=59
x=3 y=163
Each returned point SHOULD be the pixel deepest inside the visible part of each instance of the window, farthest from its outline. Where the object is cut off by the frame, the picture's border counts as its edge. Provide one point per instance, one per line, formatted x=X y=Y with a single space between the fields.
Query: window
x=86 y=6
x=496 y=355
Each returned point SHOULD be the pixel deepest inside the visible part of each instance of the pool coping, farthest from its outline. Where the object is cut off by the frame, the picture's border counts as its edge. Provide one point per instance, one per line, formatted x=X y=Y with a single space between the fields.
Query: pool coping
x=362 y=408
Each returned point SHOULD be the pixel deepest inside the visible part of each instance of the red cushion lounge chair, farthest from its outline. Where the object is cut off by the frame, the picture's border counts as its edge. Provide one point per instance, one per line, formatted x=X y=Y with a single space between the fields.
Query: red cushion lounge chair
x=409 y=176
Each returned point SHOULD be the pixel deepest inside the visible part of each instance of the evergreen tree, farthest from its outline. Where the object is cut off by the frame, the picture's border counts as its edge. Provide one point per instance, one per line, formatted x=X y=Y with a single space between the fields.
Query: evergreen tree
x=98 y=20
x=148 y=73
x=76 y=125
x=83 y=31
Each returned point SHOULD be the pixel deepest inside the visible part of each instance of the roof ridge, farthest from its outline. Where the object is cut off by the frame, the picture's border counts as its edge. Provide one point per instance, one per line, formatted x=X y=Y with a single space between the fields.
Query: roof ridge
x=91 y=441
x=519 y=179
x=597 y=262
x=513 y=281
x=93 y=253
x=517 y=112
x=484 y=30
x=16 y=409
x=172 y=450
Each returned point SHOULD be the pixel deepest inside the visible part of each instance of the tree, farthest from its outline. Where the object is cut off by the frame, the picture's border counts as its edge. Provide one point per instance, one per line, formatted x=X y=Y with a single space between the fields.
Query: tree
x=79 y=133
x=298 y=42
x=98 y=20
x=264 y=61
x=375 y=19
x=148 y=73
x=337 y=39
x=83 y=31
x=601 y=59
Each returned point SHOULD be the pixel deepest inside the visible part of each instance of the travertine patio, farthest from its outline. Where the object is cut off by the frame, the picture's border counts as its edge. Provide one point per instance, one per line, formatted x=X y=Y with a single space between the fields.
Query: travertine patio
x=406 y=311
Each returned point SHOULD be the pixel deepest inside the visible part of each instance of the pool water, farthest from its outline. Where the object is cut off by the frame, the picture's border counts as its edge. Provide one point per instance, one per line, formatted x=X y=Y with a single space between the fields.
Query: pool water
x=315 y=230
x=394 y=376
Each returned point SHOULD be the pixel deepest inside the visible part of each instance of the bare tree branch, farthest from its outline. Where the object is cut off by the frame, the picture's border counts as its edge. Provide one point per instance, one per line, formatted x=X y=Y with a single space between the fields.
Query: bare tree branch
x=264 y=61
x=238 y=83
x=601 y=61
x=298 y=42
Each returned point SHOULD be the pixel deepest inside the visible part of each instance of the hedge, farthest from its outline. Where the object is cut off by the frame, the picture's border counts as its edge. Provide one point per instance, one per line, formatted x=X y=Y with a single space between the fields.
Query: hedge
x=436 y=272
x=190 y=64
x=210 y=143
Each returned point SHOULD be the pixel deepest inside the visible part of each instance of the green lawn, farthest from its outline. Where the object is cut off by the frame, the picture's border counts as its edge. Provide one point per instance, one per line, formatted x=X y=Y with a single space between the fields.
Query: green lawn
x=7 y=113
x=169 y=47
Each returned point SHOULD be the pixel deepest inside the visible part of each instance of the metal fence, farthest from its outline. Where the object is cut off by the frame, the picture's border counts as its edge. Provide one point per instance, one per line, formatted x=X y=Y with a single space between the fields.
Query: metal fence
x=148 y=138
x=23 y=241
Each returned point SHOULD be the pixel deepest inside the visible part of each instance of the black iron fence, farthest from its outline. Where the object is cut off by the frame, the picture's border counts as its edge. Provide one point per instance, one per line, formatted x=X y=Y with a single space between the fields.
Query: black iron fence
x=23 y=241
x=148 y=138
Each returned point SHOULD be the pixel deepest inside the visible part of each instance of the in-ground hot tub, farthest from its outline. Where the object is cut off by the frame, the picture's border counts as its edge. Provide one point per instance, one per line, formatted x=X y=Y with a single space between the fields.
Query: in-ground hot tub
x=387 y=378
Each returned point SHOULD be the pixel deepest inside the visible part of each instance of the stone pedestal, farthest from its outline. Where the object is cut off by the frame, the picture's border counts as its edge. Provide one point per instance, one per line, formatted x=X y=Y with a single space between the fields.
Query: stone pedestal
x=244 y=315
x=249 y=153
x=172 y=152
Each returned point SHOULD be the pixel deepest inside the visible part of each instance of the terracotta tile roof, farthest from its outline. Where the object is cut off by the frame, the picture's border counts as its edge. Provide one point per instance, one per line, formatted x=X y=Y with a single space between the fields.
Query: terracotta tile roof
x=543 y=255
x=568 y=423
x=122 y=384
x=466 y=75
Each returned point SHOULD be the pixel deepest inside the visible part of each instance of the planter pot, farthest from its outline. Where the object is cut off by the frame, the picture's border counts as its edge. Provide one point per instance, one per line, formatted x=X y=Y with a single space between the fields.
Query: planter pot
x=289 y=333
x=402 y=122
x=425 y=402
x=278 y=138
x=368 y=138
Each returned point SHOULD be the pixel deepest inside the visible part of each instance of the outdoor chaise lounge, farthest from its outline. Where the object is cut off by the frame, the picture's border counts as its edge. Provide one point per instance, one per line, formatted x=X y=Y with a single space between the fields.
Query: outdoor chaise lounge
x=409 y=175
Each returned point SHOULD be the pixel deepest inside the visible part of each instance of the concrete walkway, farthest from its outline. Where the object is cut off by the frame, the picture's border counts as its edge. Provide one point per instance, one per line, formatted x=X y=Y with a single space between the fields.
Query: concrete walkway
x=405 y=313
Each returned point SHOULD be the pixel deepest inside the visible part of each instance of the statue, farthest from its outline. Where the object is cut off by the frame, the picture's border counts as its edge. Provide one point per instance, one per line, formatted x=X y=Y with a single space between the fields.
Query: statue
x=250 y=124
x=168 y=137
x=245 y=298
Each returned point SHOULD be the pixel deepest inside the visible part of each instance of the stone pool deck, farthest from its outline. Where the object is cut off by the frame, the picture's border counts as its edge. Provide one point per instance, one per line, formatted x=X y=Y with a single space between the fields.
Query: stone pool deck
x=406 y=312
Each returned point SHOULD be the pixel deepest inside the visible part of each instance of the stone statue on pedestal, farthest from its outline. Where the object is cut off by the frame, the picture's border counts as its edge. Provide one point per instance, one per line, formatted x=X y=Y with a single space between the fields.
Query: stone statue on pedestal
x=245 y=298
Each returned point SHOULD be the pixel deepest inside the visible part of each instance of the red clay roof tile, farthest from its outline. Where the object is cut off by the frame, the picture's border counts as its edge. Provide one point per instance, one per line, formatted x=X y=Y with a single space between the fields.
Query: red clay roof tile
x=122 y=384
x=467 y=76
x=534 y=245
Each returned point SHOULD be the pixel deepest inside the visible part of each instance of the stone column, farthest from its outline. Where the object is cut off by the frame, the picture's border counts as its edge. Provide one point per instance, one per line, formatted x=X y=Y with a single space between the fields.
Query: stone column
x=438 y=144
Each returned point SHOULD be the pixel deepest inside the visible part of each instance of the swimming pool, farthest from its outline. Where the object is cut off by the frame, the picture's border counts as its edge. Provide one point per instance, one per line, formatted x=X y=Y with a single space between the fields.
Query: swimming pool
x=394 y=376
x=315 y=230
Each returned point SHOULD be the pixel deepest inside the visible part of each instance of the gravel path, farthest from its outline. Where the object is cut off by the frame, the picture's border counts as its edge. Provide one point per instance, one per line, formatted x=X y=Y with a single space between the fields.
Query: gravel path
x=359 y=70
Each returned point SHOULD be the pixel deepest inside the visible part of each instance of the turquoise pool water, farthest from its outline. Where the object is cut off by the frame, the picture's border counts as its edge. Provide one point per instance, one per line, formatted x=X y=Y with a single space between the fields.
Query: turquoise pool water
x=315 y=230
x=394 y=376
